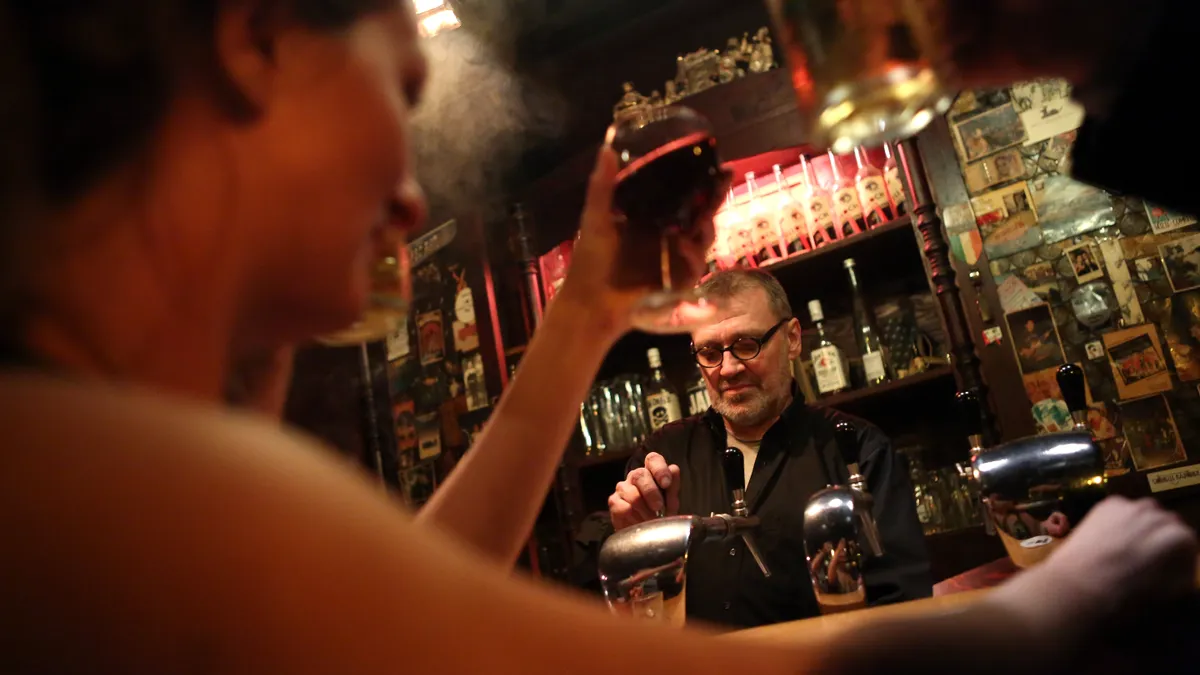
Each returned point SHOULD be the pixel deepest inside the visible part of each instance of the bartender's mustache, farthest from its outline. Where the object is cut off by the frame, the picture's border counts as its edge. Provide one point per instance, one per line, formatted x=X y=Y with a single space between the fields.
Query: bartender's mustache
x=740 y=380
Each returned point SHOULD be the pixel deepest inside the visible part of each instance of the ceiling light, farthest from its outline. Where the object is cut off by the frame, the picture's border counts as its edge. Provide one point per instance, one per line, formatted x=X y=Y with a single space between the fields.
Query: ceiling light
x=435 y=16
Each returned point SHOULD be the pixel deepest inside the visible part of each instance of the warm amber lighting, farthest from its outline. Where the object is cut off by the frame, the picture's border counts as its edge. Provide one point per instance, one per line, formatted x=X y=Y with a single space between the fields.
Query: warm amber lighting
x=435 y=16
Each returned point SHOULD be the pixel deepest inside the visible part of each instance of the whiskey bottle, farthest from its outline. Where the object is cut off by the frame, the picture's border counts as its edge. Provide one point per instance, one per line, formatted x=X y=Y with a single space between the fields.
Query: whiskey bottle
x=847 y=211
x=790 y=214
x=662 y=404
x=871 y=193
x=768 y=242
x=829 y=365
x=891 y=178
x=874 y=358
x=697 y=394
x=738 y=235
x=818 y=208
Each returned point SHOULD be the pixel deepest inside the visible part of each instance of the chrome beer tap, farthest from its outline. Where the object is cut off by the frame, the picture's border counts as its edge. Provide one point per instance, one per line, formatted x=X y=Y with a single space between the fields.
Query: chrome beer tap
x=971 y=413
x=649 y=559
x=836 y=519
x=1036 y=490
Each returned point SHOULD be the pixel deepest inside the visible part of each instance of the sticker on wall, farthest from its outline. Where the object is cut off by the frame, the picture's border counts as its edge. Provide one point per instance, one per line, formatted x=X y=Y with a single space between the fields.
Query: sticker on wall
x=1085 y=262
x=1007 y=220
x=993 y=335
x=466 y=336
x=1151 y=432
x=1181 y=259
x=1095 y=350
x=1035 y=338
x=1067 y=208
x=1164 y=220
x=1122 y=284
x=403 y=412
x=429 y=436
x=431 y=336
x=1183 y=334
x=476 y=383
x=963 y=235
x=989 y=132
x=1039 y=274
x=1046 y=109
x=418 y=483
x=398 y=345
x=1172 y=479
x=1014 y=294
x=1136 y=357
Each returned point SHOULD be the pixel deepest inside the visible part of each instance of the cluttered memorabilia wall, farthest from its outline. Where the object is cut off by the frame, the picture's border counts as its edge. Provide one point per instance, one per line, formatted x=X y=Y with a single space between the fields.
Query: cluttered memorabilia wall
x=1104 y=281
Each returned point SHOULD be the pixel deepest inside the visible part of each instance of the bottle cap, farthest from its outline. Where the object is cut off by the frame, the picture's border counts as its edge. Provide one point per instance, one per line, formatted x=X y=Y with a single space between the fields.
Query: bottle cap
x=848 y=263
x=814 y=310
x=654 y=357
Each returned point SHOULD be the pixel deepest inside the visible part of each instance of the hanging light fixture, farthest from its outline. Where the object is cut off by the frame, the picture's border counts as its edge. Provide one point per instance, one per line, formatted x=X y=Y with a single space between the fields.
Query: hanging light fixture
x=435 y=16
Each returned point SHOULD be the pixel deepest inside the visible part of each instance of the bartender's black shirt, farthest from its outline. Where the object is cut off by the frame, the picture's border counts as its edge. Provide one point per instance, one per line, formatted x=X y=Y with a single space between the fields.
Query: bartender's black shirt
x=798 y=457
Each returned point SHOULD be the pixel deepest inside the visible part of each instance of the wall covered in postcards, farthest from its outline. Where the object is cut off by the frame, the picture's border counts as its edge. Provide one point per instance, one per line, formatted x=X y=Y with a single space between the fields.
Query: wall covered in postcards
x=436 y=373
x=1108 y=282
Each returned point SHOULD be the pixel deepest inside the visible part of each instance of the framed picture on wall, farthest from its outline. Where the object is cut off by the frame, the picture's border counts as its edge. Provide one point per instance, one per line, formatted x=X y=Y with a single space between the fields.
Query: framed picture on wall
x=1035 y=338
x=1138 y=363
x=1150 y=429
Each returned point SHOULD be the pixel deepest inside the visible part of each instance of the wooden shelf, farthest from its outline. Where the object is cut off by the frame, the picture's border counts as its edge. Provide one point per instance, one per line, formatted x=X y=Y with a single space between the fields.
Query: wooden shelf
x=842 y=247
x=888 y=389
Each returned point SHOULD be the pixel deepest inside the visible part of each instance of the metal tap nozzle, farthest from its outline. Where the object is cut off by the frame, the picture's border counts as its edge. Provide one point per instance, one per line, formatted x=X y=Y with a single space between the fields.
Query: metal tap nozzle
x=735 y=480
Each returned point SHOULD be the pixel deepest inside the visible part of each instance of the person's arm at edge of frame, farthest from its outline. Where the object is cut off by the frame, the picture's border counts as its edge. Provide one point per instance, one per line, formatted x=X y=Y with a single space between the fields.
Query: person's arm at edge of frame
x=492 y=498
x=903 y=573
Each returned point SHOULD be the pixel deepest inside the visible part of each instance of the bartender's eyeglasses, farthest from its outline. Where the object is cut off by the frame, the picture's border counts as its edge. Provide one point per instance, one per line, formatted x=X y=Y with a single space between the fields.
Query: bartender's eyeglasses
x=743 y=349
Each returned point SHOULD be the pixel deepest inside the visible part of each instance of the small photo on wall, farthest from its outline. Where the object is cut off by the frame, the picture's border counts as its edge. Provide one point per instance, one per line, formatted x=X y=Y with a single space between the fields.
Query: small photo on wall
x=1035 y=338
x=1039 y=274
x=1182 y=329
x=1116 y=456
x=990 y=132
x=1151 y=432
x=1139 y=367
x=991 y=171
x=1007 y=220
x=418 y=483
x=1181 y=259
x=1164 y=220
x=1085 y=261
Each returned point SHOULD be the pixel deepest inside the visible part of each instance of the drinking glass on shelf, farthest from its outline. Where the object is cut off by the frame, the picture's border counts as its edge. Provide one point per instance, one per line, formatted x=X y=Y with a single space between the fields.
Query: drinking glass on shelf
x=864 y=71
x=670 y=182
x=592 y=426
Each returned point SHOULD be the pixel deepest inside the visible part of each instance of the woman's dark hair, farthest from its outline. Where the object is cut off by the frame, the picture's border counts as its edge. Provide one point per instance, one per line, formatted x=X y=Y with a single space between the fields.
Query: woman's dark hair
x=102 y=72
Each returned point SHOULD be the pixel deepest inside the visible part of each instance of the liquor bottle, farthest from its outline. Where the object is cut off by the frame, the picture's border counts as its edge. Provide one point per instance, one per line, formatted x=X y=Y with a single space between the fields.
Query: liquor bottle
x=768 y=242
x=697 y=394
x=891 y=178
x=739 y=235
x=847 y=211
x=928 y=511
x=870 y=347
x=791 y=216
x=829 y=365
x=818 y=207
x=662 y=403
x=871 y=192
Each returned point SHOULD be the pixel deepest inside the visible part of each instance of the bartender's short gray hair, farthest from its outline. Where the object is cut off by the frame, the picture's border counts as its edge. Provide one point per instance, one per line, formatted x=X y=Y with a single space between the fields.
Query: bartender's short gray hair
x=728 y=283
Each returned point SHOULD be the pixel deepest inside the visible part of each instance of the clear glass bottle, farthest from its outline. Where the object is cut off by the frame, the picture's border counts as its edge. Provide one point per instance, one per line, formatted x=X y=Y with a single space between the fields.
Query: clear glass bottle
x=872 y=194
x=829 y=364
x=847 y=211
x=740 y=238
x=818 y=208
x=768 y=242
x=875 y=367
x=891 y=178
x=662 y=403
x=697 y=394
x=790 y=214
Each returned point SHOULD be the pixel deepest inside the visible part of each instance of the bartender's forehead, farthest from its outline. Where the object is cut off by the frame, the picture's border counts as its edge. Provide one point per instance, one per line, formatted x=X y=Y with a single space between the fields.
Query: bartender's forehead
x=748 y=315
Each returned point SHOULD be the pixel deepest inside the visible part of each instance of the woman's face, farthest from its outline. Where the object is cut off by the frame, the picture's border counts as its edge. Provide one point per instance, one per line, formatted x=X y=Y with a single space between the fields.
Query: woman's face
x=328 y=169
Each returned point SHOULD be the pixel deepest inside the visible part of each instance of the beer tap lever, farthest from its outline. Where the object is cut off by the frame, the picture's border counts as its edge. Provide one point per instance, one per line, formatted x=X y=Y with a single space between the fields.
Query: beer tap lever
x=735 y=481
x=1073 y=387
x=846 y=438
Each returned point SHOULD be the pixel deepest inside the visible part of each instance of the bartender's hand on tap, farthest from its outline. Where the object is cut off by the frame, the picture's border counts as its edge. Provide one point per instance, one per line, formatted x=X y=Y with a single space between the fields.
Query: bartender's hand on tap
x=645 y=493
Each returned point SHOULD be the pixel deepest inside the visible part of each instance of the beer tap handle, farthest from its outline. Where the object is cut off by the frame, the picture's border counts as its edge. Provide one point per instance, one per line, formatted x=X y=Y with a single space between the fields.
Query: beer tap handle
x=846 y=437
x=755 y=553
x=735 y=479
x=971 y=411
x=1073 y=387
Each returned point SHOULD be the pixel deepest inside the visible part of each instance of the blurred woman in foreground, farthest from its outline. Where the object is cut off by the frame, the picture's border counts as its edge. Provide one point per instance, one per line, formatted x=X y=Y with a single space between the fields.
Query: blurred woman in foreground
x=192 y=184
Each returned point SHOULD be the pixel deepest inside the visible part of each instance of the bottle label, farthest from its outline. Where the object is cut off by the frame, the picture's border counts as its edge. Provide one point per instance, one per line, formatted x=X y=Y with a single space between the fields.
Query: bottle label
x=827 y=366
x=848 y=210
x=894 y=187
x=698 y=400
x=820 y=215
x=873 y=365
x=872 y=195
x=744 y=242
x=792 y=223
x=663 y=408
x=765 y=238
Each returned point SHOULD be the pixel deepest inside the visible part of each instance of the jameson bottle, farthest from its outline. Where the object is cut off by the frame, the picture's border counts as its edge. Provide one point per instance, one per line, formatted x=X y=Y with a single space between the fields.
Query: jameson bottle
x=818 y=205
x=662 y=403
x=891 y=178
x=866 y=335
x=872 y=194
x=769 y=246
x=790 y=215
x=829 y=364
x=697 y=394
x=847 y=211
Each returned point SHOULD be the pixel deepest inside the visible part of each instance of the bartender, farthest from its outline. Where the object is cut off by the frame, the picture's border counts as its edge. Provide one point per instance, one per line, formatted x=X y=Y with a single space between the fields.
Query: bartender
x=786 y=446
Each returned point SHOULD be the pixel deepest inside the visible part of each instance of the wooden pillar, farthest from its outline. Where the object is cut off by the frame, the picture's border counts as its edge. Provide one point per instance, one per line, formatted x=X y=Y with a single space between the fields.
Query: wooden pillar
x=941 y=272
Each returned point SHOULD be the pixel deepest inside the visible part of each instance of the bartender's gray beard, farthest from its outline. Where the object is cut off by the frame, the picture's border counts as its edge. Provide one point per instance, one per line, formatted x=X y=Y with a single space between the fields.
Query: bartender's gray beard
x=749 y=411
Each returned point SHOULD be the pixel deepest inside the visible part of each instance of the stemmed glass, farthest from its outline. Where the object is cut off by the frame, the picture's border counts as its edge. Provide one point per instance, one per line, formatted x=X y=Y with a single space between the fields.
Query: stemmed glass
x=669 y=184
